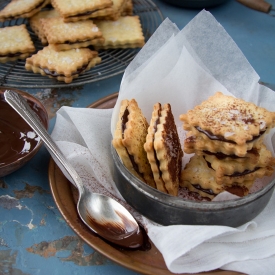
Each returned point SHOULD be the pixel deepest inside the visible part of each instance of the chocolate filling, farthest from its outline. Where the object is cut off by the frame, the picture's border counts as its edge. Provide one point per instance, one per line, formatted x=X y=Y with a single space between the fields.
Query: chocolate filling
x=22 y=15
x=236 y=174
x=208 y=191
x=173 y=147
x=221 y=138
x=55 y=74
x=72 y=43
x=11 y=55
x=221 y=156
x=124 y=120
x=83 y=14
x=155 y=153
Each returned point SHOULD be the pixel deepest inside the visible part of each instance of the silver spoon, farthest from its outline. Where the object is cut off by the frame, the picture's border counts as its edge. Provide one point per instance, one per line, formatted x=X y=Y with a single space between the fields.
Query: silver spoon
x=102 y=214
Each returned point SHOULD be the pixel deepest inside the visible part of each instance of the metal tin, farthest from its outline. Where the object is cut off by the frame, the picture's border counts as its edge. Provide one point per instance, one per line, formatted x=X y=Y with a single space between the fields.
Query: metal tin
x=169 y=210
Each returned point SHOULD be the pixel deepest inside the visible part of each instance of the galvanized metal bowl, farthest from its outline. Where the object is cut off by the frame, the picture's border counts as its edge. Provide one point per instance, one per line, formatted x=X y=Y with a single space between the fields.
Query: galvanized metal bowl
x=169 y=210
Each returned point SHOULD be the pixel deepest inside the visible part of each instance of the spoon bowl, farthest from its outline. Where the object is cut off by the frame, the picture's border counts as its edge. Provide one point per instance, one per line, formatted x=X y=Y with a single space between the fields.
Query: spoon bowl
x=102 y=214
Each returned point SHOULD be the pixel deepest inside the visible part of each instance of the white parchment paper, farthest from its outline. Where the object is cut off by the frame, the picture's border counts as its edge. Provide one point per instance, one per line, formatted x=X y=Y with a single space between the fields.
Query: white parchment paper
x=182 y=67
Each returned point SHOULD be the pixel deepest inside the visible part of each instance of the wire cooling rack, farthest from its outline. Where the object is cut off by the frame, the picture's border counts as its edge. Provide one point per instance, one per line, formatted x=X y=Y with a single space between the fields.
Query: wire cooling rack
x=114 y=62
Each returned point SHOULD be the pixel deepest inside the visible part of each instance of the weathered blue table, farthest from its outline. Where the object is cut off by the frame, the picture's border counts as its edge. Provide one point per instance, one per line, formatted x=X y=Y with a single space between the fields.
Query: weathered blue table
x=34 y=238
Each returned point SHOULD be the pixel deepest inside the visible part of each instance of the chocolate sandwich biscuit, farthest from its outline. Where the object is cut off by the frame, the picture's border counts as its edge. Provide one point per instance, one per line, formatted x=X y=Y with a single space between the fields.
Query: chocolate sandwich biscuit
x=36 y=24
x=65 y=36
x=233 y=165
x=22 y=9
x=163 y=149
x=73 y=11
x=199 y=178
x=63 y=65
x=226 y=124
x=129 y=139
x=126 y=32
x=15 y=43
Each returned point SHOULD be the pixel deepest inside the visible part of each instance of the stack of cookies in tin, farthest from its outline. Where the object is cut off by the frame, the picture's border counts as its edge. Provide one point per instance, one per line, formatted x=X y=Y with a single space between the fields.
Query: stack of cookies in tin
x=226 y=136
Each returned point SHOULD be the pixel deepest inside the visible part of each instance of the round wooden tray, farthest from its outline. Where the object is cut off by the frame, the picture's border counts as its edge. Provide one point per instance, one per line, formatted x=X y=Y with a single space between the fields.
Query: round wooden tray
x=145 y=262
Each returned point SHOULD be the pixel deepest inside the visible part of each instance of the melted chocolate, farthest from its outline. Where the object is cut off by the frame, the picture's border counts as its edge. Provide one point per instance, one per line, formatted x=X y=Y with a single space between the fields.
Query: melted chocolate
x=16 y=137
x=239 y=191
x=221 y=138
x=115 y=233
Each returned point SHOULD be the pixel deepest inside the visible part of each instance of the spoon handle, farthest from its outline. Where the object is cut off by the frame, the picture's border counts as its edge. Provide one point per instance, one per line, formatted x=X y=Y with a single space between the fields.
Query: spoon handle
x=19 y=104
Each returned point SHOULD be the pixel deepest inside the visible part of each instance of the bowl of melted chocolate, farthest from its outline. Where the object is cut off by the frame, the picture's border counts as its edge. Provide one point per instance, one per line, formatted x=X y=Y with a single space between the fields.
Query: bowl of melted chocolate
x=18 y=142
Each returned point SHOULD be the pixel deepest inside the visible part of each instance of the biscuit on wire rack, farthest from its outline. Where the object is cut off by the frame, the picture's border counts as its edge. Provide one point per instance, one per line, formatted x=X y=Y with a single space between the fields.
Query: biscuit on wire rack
x=22 y=9
x=127 y=8
x=15 y=43
x=126 y=32
x=72 y=10
x=226 y=124
x=36 y=24
x=64 y=65
x=163 y=149
x=114 y=12
x=129 y=138
x=66 y=36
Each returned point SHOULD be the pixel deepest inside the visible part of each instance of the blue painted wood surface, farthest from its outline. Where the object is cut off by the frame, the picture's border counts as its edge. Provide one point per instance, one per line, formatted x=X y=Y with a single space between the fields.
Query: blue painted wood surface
x=34 y=238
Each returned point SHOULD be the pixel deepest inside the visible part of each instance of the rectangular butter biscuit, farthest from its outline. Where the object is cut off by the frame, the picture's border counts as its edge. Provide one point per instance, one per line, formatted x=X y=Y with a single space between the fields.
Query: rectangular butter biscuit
x=22 y=9
x=64 y=65
x=36 y=24
x=65 y=36
x=126 y=32
x=15 y=43
x=72 y=10
x=111 y=13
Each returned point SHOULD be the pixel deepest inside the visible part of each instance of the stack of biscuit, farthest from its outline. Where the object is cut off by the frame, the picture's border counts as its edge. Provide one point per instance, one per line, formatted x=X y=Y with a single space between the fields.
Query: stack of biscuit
x=151 y=152
x=72 y=33
x=226 y=136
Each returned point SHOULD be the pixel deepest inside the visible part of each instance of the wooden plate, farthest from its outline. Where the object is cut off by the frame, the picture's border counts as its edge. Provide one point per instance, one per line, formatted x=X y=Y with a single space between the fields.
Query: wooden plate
x=145 y=262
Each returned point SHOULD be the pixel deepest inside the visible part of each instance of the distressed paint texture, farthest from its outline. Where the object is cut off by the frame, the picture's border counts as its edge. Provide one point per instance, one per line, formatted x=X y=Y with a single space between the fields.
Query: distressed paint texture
x=72 y=244
x=3 y=184
x=53 y=99
x=29 y=191
x=7 y=263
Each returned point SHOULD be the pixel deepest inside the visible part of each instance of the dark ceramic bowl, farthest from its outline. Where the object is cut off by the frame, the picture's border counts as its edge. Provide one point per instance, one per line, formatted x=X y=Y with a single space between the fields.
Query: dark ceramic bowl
x=195 y=4
x=169 y=210
x=18 y=142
